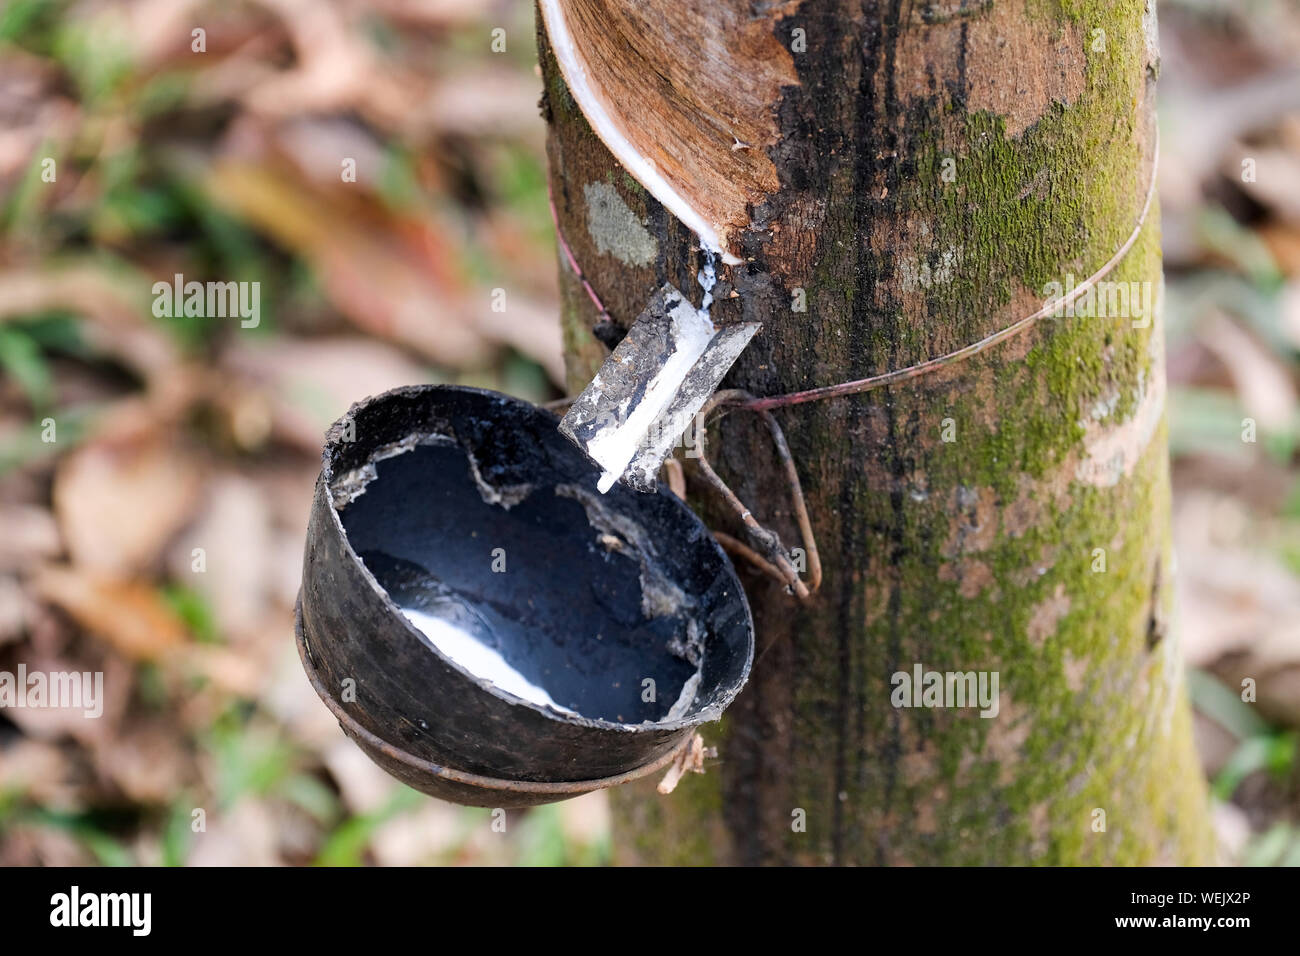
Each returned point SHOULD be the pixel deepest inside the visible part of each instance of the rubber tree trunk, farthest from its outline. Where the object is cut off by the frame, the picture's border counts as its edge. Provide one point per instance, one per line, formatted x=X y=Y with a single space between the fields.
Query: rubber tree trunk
x=933 y=168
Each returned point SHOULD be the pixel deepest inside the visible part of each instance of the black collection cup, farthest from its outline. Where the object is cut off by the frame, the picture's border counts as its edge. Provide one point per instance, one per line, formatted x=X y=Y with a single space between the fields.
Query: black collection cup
x=618 y=614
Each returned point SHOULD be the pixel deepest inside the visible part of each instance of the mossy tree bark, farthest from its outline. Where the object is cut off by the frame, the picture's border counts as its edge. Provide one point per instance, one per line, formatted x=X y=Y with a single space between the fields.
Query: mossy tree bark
x=939 y=164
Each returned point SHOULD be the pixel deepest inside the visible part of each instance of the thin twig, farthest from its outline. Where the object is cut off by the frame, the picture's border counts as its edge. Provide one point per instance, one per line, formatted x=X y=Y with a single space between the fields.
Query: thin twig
x=734 y=546
x=776 y=563
x=676 y=477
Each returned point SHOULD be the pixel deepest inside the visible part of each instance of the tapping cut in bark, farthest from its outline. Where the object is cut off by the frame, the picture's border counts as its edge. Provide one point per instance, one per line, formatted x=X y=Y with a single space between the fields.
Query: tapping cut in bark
x=683 y=94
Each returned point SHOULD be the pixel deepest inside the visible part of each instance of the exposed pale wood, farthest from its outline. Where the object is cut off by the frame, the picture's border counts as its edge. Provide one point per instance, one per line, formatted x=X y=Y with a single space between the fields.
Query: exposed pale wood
x=684 y=93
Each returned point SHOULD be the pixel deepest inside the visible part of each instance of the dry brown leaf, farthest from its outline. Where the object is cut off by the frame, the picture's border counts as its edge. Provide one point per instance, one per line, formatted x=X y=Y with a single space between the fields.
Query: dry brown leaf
x=289 y=697
x=531 y=327
x=154 y=28
x=115 y=306
x=1276 y=681
x=113 y=696
x=391 y=279
x=427 y=13
x=146 y=760
x=36 y=120
x=232 y=535
x=286 y=562
x=118 y=503
x=315 y=143
x=230 y=671
x=585 y=819
x=485 y=104
x=336 y=69
x=13 y=609
x=1273 y=185
x=420 y=836
x=1262 y=382
x=41 y=771
x=364 y=787
x=1232 y=831
x=311 y=384
x=1214 y=744
x=1239 y=608
x=245 y=835
x=1291 y=306
x=1204 y=118
x=30 y=536
x=35 y=845
x=1284 y=244
x=131 y=616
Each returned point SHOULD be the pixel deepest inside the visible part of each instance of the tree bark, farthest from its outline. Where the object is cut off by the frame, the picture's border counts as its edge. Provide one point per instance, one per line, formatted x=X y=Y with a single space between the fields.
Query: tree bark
x=936 y=167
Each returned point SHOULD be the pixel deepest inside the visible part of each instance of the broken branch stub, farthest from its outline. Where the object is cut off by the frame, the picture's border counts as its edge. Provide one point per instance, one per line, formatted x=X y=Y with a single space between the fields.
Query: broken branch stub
x=633 y=412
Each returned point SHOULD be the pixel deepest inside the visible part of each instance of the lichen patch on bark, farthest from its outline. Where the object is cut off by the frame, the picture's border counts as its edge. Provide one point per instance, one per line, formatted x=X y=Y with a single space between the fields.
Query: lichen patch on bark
x=614 y=228
x=974 y=523
x=1111 y=452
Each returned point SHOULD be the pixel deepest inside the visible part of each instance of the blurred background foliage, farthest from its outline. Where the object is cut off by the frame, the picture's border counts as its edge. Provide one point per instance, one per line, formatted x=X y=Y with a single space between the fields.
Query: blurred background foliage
x=177 y=434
